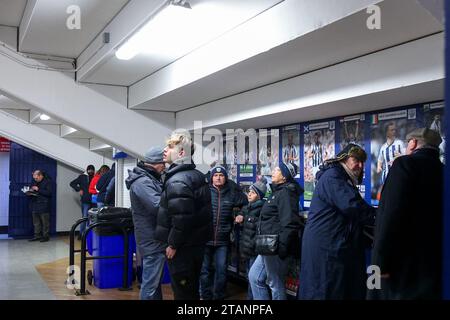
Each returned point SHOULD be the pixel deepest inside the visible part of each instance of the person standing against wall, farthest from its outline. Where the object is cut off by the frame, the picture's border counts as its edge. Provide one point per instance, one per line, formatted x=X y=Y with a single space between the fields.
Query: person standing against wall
x=40 y=195
x=225 y=200
x=81 y=185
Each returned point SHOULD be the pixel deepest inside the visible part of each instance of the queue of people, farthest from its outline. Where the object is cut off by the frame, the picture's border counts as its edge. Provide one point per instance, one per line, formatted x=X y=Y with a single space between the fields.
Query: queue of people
x=184 y=218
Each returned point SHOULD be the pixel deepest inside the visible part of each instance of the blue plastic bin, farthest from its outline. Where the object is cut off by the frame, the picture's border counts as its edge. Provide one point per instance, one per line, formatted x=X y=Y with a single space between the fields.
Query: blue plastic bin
x=108 y=273
x=89 y=242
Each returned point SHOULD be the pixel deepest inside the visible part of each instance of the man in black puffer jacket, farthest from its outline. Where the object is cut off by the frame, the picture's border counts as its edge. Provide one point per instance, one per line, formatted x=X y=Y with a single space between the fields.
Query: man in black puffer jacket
x=224 y=199
x=279 y=216
x=184 y=217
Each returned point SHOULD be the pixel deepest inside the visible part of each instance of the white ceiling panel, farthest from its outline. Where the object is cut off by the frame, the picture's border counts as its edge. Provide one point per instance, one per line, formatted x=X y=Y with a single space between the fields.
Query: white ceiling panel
x=344 y=40
x=119 y=72
x=11 y=12
x=6 y=103
x=47 y=31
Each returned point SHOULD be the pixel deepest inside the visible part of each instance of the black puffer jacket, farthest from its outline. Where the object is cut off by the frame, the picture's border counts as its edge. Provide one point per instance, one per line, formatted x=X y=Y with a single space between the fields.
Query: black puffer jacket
x=40 y=203
x=279 y=215
x=223 y=201
x=251 y=214
x=184 y=215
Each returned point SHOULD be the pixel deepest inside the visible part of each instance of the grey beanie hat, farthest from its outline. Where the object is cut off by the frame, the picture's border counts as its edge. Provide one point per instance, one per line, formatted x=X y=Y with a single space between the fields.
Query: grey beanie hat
x=260 y=188
x=154 y=155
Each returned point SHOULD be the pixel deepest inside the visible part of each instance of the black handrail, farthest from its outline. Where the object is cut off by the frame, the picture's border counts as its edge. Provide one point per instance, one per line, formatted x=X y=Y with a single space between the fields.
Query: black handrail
x=72 y=246
x=124 y=232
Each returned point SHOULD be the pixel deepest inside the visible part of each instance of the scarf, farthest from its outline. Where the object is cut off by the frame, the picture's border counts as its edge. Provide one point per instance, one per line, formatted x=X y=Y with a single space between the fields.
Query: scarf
x=351 y=174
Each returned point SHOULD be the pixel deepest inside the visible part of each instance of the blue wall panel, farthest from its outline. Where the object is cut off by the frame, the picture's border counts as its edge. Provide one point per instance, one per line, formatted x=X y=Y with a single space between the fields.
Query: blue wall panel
x=23 y=162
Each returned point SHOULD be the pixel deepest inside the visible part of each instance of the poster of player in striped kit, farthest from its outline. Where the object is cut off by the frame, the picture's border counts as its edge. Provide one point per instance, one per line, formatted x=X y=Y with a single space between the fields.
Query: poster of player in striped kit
x=230 y=158
x=268 y=152
x=434 y=119
x=319 y=145
x=388 y=134
x=291 y=146
x=352 y=130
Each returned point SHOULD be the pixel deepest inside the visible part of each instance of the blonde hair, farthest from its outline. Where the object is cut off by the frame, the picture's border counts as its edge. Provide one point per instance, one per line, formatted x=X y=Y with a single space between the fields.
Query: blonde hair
x=181 y=141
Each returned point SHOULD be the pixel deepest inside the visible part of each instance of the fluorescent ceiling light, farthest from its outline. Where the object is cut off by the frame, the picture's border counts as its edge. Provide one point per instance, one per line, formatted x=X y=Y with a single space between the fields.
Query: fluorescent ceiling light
x=44 y=117
x=177 y=30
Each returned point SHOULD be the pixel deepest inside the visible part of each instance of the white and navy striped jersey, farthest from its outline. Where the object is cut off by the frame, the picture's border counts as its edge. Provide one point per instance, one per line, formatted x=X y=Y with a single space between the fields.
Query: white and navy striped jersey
x=290 y=152
x=388 y=152
x=317 y=154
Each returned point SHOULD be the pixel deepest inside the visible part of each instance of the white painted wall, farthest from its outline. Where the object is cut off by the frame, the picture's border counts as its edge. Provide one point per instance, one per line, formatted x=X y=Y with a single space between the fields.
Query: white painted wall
x=4 y=188
x=68 y=209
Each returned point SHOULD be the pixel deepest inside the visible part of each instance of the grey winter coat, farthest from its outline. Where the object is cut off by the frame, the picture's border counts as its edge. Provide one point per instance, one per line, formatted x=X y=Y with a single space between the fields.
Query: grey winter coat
x=145 y=193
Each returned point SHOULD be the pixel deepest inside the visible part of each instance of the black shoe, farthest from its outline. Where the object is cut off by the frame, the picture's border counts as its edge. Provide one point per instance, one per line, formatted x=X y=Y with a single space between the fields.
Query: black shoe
x=35 y=239
x=45 y=239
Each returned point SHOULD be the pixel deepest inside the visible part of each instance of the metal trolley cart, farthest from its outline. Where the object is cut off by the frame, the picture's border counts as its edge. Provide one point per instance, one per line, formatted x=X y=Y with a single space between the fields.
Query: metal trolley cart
x=111 y=227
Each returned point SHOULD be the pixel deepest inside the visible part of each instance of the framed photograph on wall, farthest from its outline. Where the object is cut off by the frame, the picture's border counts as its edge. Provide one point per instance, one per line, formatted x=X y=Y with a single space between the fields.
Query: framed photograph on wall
x=388 y=141
x=319 y=145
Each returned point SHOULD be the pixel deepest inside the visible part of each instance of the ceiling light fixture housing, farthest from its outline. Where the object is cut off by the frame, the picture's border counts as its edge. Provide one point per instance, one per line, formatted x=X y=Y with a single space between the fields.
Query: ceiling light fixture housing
x=160 y=34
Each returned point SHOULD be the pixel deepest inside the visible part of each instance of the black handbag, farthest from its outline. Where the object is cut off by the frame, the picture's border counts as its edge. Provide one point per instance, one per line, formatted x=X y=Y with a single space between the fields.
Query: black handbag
x=266 y=244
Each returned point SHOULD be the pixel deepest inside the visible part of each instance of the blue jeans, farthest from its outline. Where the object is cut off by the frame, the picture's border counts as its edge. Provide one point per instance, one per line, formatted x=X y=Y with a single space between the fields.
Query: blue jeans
x=267 y=277
x=152 y=271
x=84 y=213
x=100 y=205
x=249 y=289
x=213 y=277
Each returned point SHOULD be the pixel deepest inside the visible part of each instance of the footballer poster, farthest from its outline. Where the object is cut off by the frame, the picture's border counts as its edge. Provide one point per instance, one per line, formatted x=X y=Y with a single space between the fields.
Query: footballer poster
x=388 y=135
x=352 y=130
x=433 y=114
x=291 y=146
x=319 y=145
x=268 y=152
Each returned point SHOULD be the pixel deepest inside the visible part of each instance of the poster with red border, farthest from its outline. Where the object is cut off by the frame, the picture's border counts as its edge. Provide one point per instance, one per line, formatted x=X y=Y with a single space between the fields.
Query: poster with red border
x=5 y=145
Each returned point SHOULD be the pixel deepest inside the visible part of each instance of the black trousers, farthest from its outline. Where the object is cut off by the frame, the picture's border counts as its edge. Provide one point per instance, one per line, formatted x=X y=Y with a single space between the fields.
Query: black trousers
x=184 y=269
x=41 y=223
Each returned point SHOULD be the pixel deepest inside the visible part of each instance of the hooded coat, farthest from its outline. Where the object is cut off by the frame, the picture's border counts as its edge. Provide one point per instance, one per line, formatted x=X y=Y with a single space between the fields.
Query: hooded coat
x=145 y=192
x=333 y=245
